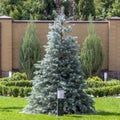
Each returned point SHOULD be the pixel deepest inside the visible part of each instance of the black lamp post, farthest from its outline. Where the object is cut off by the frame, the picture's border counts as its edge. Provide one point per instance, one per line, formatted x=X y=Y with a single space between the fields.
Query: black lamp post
x=60 y=101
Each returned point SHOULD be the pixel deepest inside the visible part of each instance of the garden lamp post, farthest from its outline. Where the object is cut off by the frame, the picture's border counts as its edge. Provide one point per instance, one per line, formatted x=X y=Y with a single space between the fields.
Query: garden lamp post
x=60 y=101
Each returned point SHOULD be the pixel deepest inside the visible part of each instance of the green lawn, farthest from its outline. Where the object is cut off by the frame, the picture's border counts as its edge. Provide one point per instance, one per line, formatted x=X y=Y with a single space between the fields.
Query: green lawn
x=108 y=108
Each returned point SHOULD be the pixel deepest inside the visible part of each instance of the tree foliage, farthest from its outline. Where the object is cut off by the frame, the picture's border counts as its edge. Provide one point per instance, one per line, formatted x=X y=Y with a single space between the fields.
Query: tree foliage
x=86 y=8
x=116 y=8
x=61 y=67
x=30 y=51
x=43 y=9
x=23 y=9
x=103 y=9
x=91 y=53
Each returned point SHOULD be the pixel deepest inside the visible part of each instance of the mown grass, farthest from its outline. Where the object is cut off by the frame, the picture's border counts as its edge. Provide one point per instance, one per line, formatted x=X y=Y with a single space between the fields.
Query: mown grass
x=108 y=108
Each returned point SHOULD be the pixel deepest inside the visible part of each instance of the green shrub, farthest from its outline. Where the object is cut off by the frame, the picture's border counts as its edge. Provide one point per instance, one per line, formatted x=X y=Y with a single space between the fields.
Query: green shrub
x=2 y=87
x=91 y=53
x=10 y=91
x=15 y=77
x=30 y=51
x=27 y=91
x=15 y=91
x=19 y=76
x=94 y=78
x=104 y=91
x=21 y=92
x=21 y=83
x=15 y=86
x=97 y=84
x=5 y=79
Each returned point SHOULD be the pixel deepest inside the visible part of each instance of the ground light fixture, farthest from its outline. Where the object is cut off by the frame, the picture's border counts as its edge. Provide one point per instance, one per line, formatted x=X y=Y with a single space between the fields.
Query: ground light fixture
x=10 y=74
x=60 y=102
x=105 y=76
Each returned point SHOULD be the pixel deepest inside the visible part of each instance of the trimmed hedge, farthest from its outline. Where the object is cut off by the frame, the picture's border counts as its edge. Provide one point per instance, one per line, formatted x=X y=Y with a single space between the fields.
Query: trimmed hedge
x=97 y=84
x=15 y=77
x=99 y=88
x=17 y=85
x=19 y=76
x=21 y=83
x=14 y=91
x=94 y=78
x=104 y=91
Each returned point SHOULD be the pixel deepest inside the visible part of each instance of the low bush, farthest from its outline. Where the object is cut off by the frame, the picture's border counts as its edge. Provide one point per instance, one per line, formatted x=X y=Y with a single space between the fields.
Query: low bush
x=5 y=79
x=97 y=87
x=97 y=84
x=15 y=77
x=1 y=87
x=19 y=76
x=21 y=83
x=104 y=91
x=14 y=91
x=94 y=78
x=17 y=85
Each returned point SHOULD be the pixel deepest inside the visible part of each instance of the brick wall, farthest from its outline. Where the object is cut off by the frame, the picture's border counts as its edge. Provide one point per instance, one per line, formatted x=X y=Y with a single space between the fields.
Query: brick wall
x=12 y=32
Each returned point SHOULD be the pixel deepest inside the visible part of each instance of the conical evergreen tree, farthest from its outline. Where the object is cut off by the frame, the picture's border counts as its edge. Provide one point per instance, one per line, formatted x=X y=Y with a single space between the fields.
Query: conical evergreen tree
x=61 y=67
x=91 y=53
x=30 y=51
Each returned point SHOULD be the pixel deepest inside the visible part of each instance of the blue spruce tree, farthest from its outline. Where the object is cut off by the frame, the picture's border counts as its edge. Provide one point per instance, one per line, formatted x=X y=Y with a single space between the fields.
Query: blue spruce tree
x=61 y=67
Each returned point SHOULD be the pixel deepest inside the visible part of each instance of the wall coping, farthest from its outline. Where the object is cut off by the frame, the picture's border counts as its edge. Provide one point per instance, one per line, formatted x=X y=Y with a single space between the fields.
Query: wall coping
x=51 y=21
x=115 y=18
x=5 y=17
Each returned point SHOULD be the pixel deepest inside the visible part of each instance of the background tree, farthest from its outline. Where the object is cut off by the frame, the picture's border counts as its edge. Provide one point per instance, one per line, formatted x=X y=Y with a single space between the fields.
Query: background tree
x=86 y=8
x=116 y=8
x=99 y=10
x=61 y=67
x=11 y=8
x=23 y=9
x=30 y=51
x=91 y=53
x=103 y=9
x=70 y=7
x=43 y=9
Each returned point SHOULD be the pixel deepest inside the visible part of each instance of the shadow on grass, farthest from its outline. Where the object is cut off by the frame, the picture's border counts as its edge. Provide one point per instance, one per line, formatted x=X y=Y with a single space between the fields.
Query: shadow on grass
x=107 y=113
x=102 y=113
x=9 y=109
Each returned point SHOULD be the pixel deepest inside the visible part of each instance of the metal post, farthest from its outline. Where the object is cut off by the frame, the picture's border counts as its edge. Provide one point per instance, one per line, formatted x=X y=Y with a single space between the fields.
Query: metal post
x=60 y=102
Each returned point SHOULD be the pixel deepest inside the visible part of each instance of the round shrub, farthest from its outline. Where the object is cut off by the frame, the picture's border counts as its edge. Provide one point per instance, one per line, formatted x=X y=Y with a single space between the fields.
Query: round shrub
x=19 y=76
x=94 y=78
